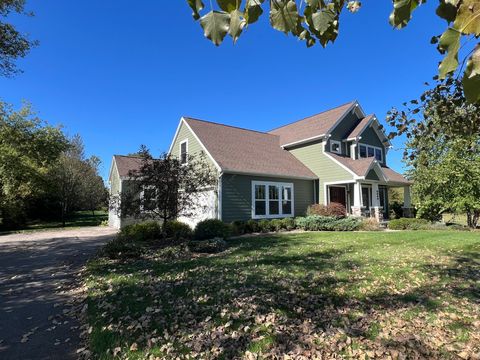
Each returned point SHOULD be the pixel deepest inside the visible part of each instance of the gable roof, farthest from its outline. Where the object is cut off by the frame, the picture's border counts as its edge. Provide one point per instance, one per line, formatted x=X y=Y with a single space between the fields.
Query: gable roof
x=362 y=125
x=362 y=166
x=312 y=127
x=238 y=150
x=125 y=164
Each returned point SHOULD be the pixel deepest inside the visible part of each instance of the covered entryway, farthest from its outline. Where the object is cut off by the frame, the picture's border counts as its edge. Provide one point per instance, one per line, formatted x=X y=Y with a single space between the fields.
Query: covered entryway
x=338 y=194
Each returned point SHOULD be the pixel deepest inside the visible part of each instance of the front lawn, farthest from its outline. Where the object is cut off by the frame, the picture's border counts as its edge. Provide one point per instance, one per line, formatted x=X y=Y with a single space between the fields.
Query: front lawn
x=357 y=295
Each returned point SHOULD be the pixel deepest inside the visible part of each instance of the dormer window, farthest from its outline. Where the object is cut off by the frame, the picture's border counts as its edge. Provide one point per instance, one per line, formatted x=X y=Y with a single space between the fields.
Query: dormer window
x=335 y=146
x=184 y=151
x=366 y=151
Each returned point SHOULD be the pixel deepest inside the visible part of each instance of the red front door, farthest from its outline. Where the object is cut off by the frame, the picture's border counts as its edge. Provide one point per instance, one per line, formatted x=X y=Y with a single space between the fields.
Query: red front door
x=337 y=195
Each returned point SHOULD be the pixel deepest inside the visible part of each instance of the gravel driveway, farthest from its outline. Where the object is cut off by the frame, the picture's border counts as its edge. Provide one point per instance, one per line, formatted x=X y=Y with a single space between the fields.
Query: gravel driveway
x=38 y=272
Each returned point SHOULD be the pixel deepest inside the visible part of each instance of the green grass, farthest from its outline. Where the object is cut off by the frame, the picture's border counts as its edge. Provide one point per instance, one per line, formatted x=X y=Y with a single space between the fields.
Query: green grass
x=317 y=294
x=77 y=219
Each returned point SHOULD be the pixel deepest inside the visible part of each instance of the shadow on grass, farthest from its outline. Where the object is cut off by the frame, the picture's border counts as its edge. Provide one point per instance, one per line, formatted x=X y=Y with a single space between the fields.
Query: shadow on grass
x=283 y=298
x=78 y=219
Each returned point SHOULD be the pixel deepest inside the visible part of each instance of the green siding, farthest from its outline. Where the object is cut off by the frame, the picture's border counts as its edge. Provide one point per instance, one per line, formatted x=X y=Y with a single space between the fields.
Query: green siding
x=370 y=137
x=341 y=131
x=237 y=195
x=372 y=175
x=323 y=166
x=194 y=146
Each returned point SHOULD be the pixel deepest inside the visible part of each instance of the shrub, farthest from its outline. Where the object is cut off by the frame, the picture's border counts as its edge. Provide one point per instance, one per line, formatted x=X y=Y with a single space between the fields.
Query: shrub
x=326 y=223
x=207 y=246
x=276 y=225
x=332 y=209
x=211 y=228
x=409 y=224
x=369 y=224
x=265 y=225
x=146 y=231
x=239 y=227
x=288 y=224
x=396 y=210
x=178 y=230
x=252 y=226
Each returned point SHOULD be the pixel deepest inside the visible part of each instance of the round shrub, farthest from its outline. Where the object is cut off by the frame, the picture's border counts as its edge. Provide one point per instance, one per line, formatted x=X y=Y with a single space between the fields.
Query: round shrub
x=211 y=228
x=120 y=248
x=252 y=226
x=145 y=231
x=288 y=224
x=276 y=225
x=265 y=226
x=178 y=230
x=239 y=227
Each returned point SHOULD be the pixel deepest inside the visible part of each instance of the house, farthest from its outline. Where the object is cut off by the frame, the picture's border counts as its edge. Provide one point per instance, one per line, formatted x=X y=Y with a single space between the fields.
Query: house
x=339 y=155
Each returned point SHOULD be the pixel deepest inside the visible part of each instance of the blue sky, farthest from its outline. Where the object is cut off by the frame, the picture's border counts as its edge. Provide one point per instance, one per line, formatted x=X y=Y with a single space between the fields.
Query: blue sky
x=122 y=73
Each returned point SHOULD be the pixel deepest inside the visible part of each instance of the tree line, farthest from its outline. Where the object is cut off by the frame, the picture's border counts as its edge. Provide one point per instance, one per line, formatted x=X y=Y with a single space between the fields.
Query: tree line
x=44 y=174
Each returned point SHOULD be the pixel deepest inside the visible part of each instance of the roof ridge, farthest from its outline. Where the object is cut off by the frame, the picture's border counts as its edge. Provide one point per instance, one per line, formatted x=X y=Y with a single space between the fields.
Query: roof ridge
x=230 y=126
x=127 y=156
x=307 y=117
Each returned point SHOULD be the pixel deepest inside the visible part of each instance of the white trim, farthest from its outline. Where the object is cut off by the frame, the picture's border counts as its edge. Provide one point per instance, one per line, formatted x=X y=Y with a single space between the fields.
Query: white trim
x=336 y=142
x=220 y=196
x=267 y=200
x=299 y=142
x=234 y=172
x=186 y=151
x=175 y=136
x=183 y=121
x=355 y=106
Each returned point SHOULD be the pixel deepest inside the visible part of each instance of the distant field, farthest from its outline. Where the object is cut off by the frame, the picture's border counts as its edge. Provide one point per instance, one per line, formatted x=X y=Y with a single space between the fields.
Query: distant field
x=455 y=218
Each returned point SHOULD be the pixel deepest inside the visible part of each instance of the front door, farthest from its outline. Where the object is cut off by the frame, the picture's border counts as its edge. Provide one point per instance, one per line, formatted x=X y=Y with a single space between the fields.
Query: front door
x=337 y=195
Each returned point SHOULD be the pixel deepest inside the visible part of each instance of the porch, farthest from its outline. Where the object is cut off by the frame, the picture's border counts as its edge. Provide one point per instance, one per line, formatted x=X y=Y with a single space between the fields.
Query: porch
x=367 y=198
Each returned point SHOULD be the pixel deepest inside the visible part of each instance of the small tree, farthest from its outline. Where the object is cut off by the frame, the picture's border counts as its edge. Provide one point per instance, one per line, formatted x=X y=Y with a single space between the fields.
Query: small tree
x=93 y=191
x=164 y=188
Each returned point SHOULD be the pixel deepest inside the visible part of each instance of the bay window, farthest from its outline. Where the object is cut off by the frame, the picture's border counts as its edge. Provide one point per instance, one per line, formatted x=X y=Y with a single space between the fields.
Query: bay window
x=271 y=199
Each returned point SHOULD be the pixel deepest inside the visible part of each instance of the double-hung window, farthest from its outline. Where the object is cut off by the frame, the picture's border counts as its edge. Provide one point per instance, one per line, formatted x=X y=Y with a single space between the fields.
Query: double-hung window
x=184 y=152
x=271 y=200
x=336 y=147
x=366 y=151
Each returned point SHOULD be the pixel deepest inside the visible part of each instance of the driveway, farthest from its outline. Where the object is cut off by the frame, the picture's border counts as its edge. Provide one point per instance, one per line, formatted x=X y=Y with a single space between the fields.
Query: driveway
x=38 y=278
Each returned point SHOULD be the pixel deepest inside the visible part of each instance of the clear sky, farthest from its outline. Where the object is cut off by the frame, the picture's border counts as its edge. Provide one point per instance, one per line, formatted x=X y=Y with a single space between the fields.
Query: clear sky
x=122 y=73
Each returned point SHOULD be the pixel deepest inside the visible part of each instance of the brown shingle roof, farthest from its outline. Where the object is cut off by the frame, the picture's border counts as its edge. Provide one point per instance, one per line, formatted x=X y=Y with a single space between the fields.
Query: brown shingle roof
x=312 y=126
x=359 y=128
x=361 y=166
x=247 y=151
x=125 y=164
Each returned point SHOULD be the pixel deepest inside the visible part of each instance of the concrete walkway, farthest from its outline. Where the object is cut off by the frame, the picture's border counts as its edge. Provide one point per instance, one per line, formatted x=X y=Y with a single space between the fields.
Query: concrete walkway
x=38 y=273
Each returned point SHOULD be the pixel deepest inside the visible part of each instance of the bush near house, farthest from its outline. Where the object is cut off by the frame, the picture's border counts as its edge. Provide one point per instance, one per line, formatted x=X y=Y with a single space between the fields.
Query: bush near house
x=178 y=230
x=332 y=209
x=409 y=224
x=210 y=229
x=369 y=224
x=145 y=231
x=325 y=223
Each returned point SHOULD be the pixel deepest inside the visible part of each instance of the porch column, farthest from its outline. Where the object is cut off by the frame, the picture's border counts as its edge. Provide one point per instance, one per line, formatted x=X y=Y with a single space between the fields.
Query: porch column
x=377 y=210
x=407 y=202
x=357 y=199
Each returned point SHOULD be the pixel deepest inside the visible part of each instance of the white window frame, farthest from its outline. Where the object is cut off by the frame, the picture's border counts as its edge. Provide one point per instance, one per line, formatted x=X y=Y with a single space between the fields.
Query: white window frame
x=335 y=142
x=180 y=151
x=374 y=149
x=267 y=200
